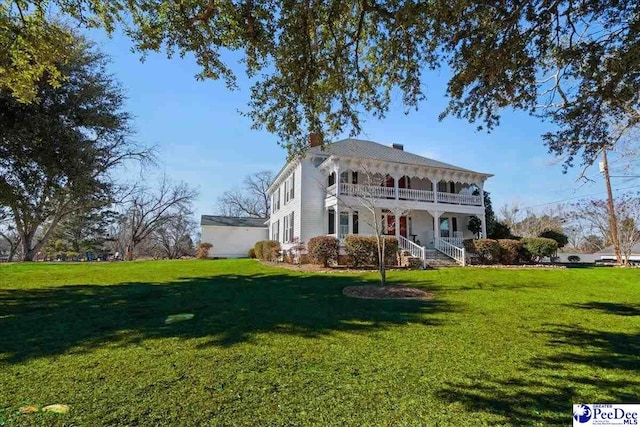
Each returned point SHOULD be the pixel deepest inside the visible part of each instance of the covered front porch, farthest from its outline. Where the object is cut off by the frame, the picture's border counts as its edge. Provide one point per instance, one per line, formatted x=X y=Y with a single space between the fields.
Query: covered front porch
x=421 y=227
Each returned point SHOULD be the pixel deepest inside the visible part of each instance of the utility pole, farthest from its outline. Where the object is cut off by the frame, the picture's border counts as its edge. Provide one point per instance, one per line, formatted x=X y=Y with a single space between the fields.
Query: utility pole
x=613 y=221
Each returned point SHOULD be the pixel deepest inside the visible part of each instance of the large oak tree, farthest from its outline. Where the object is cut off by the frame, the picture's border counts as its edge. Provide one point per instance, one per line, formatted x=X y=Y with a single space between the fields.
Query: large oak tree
x=319 y=65
x=57 y=153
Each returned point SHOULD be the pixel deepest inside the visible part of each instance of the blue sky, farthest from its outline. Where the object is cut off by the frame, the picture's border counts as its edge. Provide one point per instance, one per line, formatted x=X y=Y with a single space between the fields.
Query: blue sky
x=204 y=140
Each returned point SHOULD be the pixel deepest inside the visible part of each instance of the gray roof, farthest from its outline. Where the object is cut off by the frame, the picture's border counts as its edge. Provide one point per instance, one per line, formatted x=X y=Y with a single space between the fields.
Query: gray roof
x=232 y=221
x=372 y=150
x=635 y=250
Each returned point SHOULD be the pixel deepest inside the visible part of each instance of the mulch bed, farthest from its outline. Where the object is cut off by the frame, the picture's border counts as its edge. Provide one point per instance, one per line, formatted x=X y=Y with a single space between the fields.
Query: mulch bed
x=386 y=292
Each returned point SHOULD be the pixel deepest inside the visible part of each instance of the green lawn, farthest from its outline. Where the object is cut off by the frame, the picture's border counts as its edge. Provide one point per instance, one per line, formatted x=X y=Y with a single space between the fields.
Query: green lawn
x=269 y=346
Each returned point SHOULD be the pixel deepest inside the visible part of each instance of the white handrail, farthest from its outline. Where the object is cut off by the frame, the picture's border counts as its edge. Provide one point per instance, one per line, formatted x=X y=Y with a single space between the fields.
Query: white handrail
x=414 y=249
x=452 y=251
x=459 y=199
x=455 y=241
x=414 y=194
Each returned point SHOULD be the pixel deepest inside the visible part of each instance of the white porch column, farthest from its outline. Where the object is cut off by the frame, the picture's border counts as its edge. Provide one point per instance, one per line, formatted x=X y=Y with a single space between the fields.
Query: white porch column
x=483 y=220
x=396 y=215
x=395 y=189
x=337 y=220
x=434 y=185
x=336 y=170
x=436 y=224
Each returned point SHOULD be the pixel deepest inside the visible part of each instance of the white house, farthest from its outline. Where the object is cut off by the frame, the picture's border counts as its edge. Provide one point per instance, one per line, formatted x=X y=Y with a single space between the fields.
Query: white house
x=337 y=189
x=232 y=237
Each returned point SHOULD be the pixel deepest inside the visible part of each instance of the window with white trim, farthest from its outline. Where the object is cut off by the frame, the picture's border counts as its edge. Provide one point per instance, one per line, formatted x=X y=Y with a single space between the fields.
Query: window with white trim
x=275 y=231
x=291 y=227
x=292 y=186
x=285 y=230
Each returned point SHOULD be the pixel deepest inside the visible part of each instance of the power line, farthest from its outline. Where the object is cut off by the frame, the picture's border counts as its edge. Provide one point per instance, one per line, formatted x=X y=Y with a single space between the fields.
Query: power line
x=578 y=197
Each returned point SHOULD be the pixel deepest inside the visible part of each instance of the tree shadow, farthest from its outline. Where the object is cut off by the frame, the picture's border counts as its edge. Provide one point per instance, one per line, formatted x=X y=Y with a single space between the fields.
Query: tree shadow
x=593 y=348
x=545 y=387
x=228 y=309
x=610 y=308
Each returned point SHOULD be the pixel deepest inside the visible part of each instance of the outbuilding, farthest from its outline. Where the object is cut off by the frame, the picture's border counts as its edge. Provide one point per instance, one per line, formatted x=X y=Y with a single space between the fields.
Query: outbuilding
x=232 y=237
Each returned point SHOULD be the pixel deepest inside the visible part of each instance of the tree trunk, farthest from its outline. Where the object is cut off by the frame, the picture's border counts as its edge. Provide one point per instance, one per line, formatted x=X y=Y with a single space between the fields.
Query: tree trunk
x=128 y=255
x=381 y=268
x=26 y=239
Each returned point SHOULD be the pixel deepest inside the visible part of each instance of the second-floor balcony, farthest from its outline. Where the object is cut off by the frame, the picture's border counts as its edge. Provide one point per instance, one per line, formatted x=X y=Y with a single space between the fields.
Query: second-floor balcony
x=381 y=192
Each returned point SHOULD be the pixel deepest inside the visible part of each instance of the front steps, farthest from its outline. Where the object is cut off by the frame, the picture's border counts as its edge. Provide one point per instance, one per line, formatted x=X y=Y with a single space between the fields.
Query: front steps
x=436 y=259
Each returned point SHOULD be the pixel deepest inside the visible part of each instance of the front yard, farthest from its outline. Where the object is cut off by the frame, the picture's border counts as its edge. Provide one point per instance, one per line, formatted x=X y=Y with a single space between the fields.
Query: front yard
x=270 y=346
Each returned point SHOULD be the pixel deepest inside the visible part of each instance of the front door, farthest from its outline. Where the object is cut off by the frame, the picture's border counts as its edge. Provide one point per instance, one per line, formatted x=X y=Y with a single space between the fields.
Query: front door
x=391 y=226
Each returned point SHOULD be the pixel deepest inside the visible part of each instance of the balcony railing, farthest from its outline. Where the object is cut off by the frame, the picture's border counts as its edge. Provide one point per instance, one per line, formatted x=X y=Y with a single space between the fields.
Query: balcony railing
x=379 y=192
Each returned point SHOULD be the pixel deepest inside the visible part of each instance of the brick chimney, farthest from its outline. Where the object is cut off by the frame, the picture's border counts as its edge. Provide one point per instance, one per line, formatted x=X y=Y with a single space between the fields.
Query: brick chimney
x=398 y=147
x=314 y=140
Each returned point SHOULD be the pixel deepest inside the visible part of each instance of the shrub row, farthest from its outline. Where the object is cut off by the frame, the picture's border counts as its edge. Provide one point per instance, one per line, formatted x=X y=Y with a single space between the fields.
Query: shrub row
x=266 y=250
x=540 y=247
x=363 y=250
x=510 y=252
x=322 y=250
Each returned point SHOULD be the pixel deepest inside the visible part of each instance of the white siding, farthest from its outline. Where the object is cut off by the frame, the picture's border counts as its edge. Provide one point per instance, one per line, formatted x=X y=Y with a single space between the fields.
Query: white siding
x=293 y=205
x=232 y=242
x=313 y=218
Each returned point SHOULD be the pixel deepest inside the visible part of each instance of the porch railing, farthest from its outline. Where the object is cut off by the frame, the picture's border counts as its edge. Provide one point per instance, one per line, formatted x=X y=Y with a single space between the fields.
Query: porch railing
x=374 y=191
x=413 y=194
x=414 y=249
x=459 y=199
x=452 y=251
x=456 y=240
x=379 y=192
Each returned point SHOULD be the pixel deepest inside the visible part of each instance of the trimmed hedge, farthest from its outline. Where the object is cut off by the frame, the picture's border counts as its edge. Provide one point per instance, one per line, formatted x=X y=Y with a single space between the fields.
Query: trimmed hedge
x=540 y=247
x=251 y=253
x=573 y=258
x=363 y=250
x=266 y=250
x=322 y=250
x=360 y=249
x=510 y=251
x=488 y=250
x=559 y=237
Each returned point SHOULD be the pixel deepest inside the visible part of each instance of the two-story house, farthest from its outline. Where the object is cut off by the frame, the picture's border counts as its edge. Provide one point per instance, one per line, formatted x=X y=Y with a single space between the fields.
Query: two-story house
x=354 y=186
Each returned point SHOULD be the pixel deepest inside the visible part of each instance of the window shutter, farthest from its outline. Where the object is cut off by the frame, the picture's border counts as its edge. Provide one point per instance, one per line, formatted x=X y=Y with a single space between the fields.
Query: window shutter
x=355 y=223
x=332 y=222
x=291 y=227
x=293 y=186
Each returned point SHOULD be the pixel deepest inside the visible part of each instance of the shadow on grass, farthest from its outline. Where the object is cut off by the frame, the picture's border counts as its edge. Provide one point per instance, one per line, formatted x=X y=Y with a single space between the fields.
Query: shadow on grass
x=228 y=309
x=610 y=308
x=544 y=390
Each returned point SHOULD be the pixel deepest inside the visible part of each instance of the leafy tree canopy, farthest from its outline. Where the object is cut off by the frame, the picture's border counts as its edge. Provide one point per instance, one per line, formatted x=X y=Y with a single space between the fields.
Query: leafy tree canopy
x=317 y=66
x=57 y=153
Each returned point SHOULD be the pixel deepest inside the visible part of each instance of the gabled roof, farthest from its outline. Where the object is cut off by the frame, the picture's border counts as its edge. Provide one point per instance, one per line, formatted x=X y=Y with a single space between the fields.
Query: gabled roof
x=232 y=221
x=372 y=150
x=635 y=250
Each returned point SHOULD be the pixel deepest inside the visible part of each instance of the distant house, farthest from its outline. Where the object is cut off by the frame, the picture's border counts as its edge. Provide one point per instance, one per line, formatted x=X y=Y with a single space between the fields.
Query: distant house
x=232 y=237
x=609 y=254
x=425 y=203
